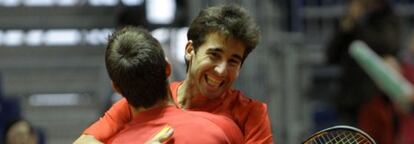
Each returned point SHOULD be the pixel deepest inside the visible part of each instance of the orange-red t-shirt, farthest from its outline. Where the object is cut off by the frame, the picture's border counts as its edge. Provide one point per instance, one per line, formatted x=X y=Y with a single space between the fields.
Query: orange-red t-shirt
x=188 y=127
x=250 y=115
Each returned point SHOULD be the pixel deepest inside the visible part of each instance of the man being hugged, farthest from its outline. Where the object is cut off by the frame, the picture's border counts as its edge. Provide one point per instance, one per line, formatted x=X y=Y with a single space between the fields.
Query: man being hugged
x=219 y=40
x=138 y=69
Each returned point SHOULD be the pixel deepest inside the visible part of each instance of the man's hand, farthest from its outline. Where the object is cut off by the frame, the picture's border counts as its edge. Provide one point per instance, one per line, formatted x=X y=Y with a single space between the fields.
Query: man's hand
x=162 y=136
x=87 y=139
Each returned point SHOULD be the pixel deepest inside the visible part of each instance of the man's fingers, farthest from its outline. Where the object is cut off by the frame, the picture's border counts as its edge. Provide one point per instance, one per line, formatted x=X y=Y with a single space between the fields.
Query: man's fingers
x=162 y=135
x=86 y=139
x=165 y=134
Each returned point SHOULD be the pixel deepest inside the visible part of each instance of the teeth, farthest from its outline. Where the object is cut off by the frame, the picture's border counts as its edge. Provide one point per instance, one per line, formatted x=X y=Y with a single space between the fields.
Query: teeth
x=213 y=81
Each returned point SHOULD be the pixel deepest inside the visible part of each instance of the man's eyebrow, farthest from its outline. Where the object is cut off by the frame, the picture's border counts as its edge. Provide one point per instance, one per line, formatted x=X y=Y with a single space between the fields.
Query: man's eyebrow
x=216 y=49
x=236 y=56
x=220 y=50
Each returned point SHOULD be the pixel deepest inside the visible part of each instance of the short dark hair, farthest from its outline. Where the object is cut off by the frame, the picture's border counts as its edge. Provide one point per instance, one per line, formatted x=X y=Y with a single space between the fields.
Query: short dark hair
x=229 y=20
x=136 y=64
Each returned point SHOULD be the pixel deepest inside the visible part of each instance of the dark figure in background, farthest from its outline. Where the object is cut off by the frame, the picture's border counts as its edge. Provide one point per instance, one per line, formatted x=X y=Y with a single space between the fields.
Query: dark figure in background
x=374 y=22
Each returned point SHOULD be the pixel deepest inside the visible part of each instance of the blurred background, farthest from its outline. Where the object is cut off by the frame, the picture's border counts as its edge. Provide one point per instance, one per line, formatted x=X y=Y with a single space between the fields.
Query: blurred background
x=52 y=69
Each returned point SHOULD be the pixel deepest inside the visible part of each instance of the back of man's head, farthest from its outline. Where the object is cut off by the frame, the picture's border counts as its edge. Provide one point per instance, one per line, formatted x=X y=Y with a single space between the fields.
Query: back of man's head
x=136 y=65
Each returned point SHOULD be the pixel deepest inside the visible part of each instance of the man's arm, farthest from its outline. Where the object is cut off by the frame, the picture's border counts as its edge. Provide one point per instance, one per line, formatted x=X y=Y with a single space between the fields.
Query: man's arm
x=112 y=122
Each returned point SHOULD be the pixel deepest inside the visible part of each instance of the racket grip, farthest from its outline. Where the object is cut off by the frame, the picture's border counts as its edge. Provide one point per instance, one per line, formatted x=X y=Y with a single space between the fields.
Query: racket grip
x=396 y=87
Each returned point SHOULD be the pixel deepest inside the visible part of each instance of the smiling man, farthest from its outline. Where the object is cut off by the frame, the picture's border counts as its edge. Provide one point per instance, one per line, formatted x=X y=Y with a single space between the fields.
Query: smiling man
x=212 y=67
x=219 y=40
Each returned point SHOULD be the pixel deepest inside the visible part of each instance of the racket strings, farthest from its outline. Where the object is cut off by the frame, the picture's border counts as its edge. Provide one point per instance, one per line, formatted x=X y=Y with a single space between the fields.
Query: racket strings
x=340 y=137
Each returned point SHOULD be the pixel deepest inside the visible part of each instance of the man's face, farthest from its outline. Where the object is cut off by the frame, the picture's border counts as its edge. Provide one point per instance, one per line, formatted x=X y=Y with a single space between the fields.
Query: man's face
x=215 y=65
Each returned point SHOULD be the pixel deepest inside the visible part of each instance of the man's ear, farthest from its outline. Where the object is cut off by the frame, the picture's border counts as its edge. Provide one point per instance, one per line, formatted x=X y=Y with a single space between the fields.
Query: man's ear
x=168 y=69
x=189 y=50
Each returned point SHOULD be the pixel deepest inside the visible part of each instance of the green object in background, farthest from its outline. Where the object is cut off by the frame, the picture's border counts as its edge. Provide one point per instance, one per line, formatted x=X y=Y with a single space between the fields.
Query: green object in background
x=387 y=79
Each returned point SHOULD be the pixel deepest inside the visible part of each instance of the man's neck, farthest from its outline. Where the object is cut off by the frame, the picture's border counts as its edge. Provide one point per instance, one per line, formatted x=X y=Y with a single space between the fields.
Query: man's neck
x=184 y=94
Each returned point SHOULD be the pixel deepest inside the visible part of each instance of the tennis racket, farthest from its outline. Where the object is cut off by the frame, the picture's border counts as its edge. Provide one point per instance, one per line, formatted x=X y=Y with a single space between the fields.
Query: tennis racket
x=340 y=135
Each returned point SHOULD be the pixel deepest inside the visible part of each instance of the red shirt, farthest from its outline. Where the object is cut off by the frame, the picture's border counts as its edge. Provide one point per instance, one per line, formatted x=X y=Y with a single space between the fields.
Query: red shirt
x=188 y=127
x=406 y=129
x=250 y=115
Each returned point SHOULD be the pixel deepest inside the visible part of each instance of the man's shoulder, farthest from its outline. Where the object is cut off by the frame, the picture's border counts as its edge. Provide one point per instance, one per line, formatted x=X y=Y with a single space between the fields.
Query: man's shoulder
x=210 y=117
x=197 y=117
x=225 y=124
x=209 y=127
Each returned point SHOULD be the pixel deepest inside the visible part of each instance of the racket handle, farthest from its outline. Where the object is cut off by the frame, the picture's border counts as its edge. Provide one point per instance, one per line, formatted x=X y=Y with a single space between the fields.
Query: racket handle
x=396 y=87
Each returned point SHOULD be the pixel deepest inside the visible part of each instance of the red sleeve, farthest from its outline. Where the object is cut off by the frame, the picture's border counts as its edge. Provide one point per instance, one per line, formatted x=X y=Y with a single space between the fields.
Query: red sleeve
x=112 y=122
x=257 y=128
x=251 y=116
